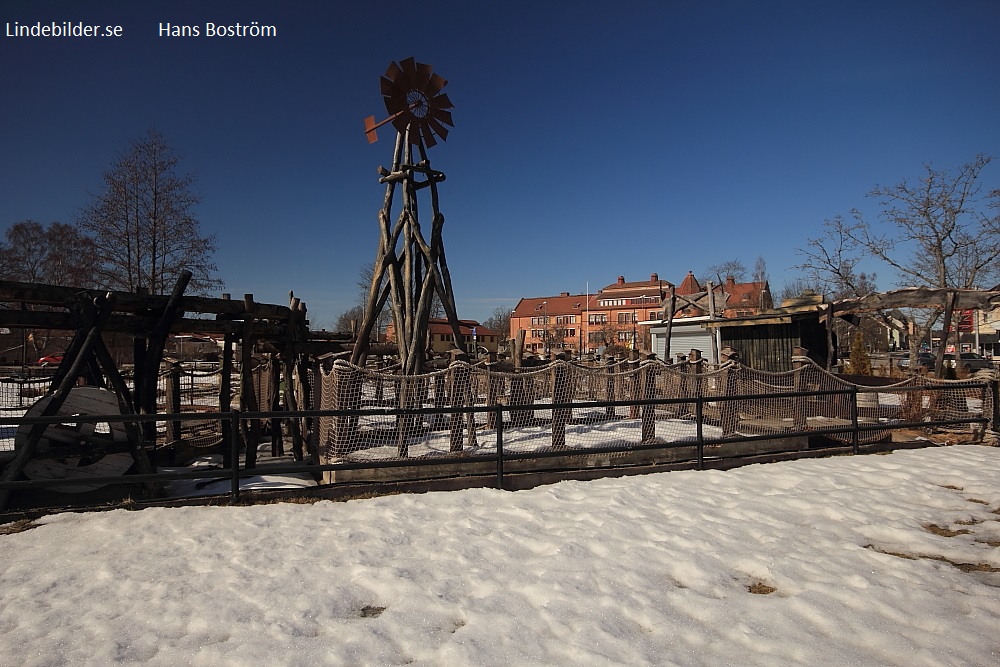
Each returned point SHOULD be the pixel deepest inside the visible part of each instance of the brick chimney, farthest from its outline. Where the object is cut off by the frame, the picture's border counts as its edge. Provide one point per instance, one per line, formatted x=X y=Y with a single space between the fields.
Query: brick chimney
x=654 y=278
x=621 y=280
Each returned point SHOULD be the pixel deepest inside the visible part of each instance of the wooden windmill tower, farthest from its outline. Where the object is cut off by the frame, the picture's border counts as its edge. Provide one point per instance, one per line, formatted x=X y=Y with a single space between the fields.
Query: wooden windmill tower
x=410 y=268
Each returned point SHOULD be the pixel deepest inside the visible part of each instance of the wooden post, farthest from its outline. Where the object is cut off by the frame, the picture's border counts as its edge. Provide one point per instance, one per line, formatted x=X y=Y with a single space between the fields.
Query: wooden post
x=729 y=410
x=831 y=348
x=274 y=404
x=634 y=383
x=647 y=374
x=800 y=356
x=174 y=396
x=562 y=393
x=521 y=393
x=696 y=366
x=154 y=352
x=609 y=365
x=460 y=392
x=494 y=394
x=291 y=405
x=404 y=394
x=346 y=396
x=288 y=362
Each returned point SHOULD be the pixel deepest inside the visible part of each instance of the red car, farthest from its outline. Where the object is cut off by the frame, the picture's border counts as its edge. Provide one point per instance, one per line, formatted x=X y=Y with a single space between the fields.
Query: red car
x=51 y=360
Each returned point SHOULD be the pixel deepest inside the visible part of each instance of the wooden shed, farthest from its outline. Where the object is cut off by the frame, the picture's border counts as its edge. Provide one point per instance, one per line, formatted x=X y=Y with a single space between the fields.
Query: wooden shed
x=765 y=341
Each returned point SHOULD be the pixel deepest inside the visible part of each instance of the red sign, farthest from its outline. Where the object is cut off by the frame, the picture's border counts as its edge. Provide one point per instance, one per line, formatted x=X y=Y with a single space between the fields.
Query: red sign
x=966 y=321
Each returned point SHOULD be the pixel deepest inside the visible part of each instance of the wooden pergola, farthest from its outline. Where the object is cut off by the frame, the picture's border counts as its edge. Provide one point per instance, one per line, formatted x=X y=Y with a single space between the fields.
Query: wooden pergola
x=945 y=300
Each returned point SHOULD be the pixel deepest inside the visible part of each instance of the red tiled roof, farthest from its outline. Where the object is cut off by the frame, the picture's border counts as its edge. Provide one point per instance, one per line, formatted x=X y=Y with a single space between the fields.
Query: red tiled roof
x=561 y=305
x=689 y=286
x=745 y=295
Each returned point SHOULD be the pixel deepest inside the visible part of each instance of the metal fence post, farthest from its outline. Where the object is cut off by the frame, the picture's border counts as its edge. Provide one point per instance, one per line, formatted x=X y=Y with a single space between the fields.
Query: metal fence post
x=855 y=436
x=234 y=453
x=699 y=414
x=499 y=419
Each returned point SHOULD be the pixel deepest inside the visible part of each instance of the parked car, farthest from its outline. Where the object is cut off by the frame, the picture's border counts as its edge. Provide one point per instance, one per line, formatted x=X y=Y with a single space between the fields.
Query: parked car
x=50 y=360
x=970 y=361
x=925 y=362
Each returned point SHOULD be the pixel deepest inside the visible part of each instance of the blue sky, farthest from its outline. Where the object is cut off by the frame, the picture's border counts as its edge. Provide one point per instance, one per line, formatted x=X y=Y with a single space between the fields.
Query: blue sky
x=591 y=139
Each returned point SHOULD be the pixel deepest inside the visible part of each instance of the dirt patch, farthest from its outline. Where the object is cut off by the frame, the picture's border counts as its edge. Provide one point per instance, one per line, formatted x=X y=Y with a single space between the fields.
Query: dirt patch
x=18 y=526
x=760 y=588
x=369 y=611
x=944 y=532
x=964 y=567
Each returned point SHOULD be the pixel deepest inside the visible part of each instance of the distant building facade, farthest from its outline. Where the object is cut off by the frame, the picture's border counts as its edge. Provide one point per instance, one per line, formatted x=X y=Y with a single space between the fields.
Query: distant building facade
x=622 y=313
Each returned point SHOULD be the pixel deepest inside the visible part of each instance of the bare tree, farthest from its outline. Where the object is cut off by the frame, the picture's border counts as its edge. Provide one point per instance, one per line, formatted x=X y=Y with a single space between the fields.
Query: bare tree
x=934 y=232
x=797 y=287
x=760 y=270
x=349 y=319
x=499 y=322
x=732 y=267
x=939 y=234
x=831 y=259
x=365 y=276
x=143 y=226
x=55 y=254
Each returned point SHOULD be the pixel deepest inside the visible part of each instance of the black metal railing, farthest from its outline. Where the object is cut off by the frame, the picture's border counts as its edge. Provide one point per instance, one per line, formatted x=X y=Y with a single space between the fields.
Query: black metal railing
x=234 y=472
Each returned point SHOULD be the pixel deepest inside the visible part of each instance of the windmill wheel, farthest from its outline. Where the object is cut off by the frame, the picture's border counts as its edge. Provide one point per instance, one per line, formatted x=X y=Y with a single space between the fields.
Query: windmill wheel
x=413 y=98
x=77 y=450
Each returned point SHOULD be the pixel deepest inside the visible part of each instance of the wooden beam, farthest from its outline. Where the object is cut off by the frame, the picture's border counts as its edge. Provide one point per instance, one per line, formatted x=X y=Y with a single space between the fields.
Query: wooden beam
x=127 y=302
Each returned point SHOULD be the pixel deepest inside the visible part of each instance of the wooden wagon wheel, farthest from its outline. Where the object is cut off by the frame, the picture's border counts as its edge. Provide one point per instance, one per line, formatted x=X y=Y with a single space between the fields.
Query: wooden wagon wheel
x=75 y=450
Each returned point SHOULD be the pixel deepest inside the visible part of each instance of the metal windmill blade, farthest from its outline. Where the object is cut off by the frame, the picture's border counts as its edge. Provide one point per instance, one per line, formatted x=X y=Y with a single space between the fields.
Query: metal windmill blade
x=412 y=95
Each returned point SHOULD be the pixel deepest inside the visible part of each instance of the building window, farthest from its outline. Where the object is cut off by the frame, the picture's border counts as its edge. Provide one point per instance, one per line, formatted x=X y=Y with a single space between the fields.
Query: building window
x=598 y=318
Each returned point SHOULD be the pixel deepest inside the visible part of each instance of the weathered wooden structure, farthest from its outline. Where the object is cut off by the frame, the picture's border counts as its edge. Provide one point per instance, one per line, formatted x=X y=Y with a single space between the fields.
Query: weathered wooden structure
x=409 y=268
x=945 y=301
x=279 y=334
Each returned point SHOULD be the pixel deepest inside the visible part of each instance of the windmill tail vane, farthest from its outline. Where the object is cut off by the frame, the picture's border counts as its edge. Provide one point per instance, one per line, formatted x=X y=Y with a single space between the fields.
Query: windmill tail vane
x=413 y=98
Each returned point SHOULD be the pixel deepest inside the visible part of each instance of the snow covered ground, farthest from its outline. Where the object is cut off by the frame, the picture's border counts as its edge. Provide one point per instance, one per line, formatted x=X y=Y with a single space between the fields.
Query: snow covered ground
x=865 y=560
